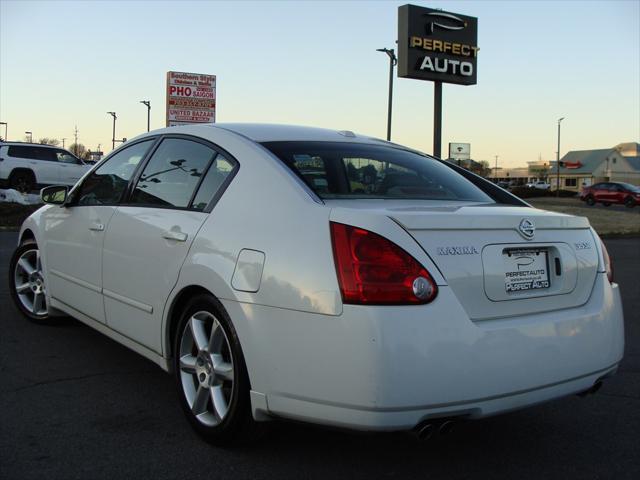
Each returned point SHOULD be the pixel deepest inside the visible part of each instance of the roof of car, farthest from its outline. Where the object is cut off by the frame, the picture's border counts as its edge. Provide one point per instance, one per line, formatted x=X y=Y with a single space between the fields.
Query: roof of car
x=265 y=132
x=29 y=144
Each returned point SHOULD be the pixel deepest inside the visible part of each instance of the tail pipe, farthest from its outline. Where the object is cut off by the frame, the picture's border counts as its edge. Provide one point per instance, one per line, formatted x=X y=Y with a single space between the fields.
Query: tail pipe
x=429 y=428
x=593 y=389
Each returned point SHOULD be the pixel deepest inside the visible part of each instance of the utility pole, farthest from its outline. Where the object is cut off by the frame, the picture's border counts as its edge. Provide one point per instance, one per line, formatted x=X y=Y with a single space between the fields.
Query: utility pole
x=558 y=161
x=63 y=142
x=113 y=137
x=496 y=175
x=148 y=105
x=75 y=134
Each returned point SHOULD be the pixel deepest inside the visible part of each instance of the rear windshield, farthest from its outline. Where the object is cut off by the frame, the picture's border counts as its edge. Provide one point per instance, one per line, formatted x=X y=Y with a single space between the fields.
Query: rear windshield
x=338 y=170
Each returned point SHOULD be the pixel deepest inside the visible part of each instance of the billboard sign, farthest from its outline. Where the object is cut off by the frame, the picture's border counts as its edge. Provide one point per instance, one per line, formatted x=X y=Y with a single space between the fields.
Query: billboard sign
x=437 y=45
x=460 y=151
x=191 y=98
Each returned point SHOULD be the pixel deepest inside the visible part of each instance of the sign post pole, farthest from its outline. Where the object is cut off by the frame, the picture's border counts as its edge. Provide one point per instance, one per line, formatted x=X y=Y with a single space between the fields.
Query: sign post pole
x=437 y=119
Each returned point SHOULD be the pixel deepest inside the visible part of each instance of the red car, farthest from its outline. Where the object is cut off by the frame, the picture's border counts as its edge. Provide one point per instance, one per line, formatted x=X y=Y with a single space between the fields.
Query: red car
x=611 y=192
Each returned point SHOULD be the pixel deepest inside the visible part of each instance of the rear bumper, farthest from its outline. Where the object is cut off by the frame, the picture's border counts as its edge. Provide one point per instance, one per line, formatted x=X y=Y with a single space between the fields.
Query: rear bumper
x=391 y=368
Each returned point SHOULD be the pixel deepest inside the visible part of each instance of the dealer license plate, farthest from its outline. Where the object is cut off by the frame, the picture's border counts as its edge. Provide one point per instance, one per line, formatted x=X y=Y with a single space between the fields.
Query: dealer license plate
x=525 y=269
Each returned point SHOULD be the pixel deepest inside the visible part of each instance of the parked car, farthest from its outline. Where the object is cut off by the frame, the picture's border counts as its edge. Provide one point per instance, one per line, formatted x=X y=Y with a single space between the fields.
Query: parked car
x=430 y=295
x=540 y=185
x=26 y=166
x=611 y=192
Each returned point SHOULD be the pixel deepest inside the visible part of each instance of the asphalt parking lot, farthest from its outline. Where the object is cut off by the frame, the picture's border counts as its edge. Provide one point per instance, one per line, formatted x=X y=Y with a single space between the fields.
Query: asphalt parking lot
x=74 y=404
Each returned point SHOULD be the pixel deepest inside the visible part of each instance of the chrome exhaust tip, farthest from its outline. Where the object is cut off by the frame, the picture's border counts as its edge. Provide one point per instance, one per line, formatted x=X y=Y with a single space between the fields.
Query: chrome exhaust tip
x=446 y=427
x=425 y=431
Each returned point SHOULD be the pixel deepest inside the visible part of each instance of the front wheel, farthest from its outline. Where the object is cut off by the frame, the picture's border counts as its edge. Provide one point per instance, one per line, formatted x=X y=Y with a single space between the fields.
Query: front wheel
x=629 y=202
x=211 y=375
x=22 y=181
x=27 y=284
x=590 y=201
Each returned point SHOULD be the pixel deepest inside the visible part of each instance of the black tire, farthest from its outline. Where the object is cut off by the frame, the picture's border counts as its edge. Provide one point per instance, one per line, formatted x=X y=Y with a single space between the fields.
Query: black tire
x=35 y=282
x=606 y=204
x=629 y=202
x=23 y=181
x=237 y=426
x=590 y=201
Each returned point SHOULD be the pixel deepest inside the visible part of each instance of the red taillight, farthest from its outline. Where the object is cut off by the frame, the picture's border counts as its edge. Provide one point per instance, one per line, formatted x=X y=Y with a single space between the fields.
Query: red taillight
x=373 y=270
x=608 y=264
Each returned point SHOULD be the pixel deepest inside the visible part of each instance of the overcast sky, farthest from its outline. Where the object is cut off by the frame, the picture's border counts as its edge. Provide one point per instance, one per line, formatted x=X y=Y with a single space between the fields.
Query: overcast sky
x=314 y=63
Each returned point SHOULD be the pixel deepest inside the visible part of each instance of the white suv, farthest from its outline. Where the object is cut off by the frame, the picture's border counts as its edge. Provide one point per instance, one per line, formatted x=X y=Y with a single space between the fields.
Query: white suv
x=25 y=166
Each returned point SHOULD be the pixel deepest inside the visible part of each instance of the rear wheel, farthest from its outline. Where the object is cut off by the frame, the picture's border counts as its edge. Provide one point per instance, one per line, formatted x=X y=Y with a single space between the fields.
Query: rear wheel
x=27 y=284
x=590 y=200
x=211 y=375
x=629 y=202
x=22 y=181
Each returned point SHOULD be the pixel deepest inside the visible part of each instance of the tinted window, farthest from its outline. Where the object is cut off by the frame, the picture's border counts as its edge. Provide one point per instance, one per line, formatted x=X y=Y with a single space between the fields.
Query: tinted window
x=106 y=184
x=32 y=153
x=628 y=186
x=172 y=174
x=218 y=172
x=350 y=170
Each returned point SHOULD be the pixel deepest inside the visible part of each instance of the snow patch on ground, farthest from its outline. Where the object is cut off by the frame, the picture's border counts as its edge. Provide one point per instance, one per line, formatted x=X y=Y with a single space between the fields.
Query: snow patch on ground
x=14 y=196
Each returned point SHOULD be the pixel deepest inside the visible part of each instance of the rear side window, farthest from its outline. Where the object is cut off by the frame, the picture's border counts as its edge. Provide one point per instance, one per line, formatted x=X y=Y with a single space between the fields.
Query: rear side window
x=106 y=185
x=215 y=177
x=172 y=174
x=32 y=153
x=337 y=170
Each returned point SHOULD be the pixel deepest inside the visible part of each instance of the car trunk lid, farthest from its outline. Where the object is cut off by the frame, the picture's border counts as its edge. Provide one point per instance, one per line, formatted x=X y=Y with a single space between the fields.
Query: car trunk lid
x=503 y=261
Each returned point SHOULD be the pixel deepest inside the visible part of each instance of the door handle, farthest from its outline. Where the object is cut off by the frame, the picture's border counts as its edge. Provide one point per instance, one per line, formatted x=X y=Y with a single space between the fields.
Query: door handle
x=97 y=227
x=173 y=235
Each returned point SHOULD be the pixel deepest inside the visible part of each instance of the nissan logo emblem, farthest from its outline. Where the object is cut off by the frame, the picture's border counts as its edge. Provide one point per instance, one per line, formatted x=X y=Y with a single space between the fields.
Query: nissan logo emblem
x=526 y=228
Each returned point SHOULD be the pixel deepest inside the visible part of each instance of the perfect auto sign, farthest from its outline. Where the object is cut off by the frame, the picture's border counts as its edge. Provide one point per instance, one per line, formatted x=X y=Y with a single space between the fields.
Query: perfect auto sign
x=191 y=98
x=437 y=45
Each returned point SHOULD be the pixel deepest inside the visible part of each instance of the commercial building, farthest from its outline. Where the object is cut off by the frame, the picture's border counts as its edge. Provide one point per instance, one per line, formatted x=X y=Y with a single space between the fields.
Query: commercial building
x=585 y=167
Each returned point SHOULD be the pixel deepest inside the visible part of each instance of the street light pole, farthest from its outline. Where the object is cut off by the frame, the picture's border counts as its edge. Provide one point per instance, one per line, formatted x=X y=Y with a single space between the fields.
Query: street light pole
x=113 y=136
x=558 y=161
x=6 y=126
x=496 y=175
x=30 y=136
x=148 y=104
x=393 y=61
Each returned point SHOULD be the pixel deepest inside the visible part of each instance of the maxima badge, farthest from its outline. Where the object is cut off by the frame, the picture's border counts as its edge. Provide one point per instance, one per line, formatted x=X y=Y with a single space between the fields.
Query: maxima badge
x=526 y=228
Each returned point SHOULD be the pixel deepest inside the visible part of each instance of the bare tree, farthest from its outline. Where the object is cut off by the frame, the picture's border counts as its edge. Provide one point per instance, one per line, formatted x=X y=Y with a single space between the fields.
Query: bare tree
x=80 y=151
x=54 y=142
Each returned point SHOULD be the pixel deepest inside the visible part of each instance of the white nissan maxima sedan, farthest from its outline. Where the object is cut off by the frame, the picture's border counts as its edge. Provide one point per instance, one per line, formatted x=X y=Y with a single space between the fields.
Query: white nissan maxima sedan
x=322 y=276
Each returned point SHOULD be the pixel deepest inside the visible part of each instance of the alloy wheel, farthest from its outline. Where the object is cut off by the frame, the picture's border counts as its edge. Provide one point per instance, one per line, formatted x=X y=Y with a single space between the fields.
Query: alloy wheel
x=29 y=283
x=206 y=368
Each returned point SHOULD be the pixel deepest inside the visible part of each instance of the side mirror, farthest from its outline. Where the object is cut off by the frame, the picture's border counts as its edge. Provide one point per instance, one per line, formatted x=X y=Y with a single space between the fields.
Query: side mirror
x=54 y=195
